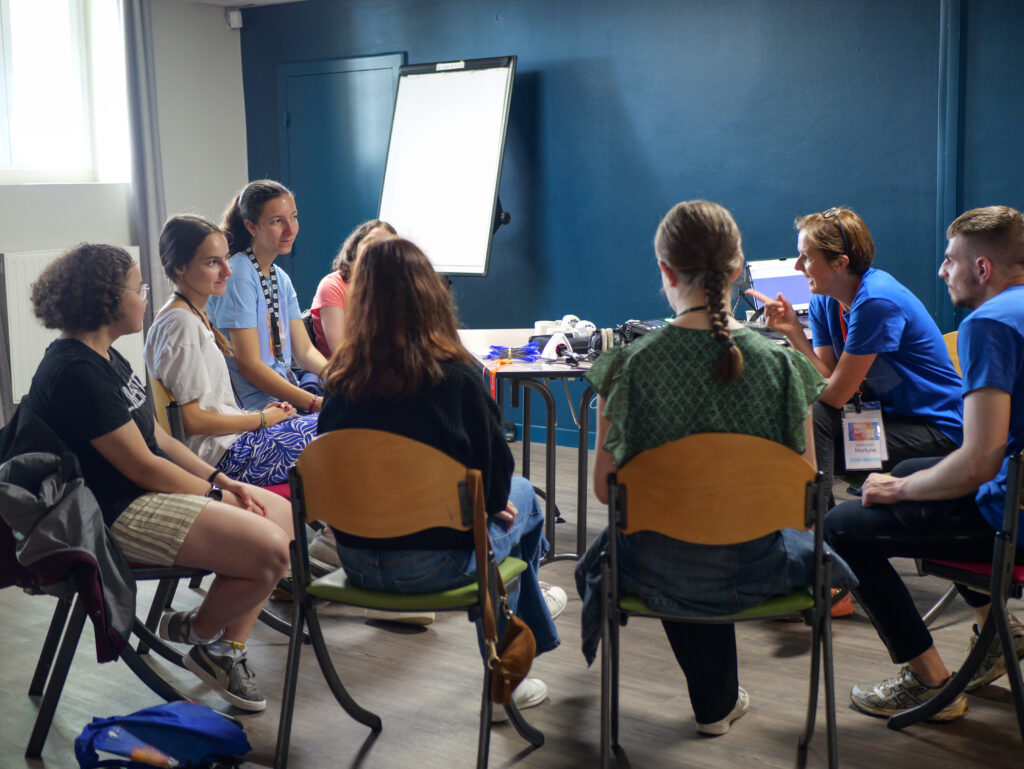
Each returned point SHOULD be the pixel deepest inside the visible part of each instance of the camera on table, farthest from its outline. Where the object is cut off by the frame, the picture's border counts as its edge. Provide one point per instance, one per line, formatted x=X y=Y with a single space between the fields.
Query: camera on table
x=606 y=338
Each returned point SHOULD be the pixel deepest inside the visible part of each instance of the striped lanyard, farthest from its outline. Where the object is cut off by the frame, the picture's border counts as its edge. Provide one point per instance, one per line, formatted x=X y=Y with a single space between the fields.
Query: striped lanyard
x=273 y=305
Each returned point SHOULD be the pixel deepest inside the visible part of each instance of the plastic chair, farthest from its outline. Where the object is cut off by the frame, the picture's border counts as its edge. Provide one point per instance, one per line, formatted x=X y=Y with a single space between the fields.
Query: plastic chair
x=717 y=489
x=347 y=478
x=1001 y=579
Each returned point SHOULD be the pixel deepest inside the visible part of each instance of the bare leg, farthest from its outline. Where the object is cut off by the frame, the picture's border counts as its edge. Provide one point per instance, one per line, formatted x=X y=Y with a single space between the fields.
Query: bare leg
x=247 y=552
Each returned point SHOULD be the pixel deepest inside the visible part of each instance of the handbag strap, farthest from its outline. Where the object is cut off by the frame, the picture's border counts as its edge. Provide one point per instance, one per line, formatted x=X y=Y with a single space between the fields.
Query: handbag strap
x=482 y=543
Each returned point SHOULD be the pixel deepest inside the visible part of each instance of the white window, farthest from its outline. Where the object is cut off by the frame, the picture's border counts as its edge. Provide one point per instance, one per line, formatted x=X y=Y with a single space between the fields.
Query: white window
x=63 y=106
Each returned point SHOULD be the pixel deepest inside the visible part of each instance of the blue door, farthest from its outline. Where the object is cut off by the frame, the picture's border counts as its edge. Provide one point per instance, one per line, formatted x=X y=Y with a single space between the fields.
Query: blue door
x=336 y=122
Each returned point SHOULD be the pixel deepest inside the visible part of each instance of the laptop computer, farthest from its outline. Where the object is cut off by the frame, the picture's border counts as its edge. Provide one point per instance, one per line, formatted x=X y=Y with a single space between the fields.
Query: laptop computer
x=774 y=276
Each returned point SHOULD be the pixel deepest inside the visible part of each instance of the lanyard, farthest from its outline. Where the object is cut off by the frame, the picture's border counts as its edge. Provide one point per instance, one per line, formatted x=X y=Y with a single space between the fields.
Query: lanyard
x=270 y=294
x=858 y=402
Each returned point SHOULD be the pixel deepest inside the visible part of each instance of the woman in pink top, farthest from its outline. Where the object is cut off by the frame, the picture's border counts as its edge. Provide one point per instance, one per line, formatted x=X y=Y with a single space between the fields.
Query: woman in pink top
x=328 y=309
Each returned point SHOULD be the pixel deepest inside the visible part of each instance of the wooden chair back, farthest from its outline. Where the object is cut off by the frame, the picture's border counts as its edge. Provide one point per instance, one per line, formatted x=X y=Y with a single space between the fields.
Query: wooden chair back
x=370 y=483
x=950 y=340
x=161 y=398
x=716 y=489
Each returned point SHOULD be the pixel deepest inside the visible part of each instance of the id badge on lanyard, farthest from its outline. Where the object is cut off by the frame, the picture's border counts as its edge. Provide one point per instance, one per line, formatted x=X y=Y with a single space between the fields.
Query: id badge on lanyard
x=864 y=436
x=864 y=443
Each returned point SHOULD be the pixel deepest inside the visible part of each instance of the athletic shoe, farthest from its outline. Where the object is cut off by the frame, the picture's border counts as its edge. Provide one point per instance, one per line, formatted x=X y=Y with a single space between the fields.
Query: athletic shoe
x=530 y=693
x=405 y=617
x=718 y=728
x=176 y=627
x=323 y=552
x=842 y=602
x=905 y=691
x=555 y=598
x=227 y=673
x=994 y=666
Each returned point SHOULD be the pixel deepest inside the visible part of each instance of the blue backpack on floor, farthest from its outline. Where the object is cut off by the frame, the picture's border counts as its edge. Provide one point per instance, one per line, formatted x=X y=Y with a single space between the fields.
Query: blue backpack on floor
x=182 y=734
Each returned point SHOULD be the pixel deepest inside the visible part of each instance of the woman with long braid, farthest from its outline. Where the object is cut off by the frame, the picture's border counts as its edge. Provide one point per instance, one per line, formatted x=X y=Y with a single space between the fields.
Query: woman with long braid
x=702 y=373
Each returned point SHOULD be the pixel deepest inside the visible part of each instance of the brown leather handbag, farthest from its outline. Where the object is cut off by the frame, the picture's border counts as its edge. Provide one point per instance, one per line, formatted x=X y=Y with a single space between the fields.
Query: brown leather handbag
x=510 y=660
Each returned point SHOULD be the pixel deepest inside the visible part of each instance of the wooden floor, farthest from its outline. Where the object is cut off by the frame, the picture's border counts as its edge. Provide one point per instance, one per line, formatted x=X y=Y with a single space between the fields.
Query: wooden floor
x=424 y=683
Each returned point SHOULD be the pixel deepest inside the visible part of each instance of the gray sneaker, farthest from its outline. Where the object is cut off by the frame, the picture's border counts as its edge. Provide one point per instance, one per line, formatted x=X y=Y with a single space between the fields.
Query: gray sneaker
x=994 y=666
x=228 y=674
x=894 y=695
x=176 y=627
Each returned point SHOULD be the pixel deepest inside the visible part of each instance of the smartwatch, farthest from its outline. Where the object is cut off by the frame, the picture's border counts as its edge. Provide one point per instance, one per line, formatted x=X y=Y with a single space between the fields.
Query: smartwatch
x=215 y=493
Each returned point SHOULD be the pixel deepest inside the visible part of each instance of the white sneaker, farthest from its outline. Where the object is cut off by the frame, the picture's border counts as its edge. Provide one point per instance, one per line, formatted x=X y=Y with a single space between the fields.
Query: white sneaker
x=405 y=617
x=530 y=693
x=718 y=728
x=555 y=598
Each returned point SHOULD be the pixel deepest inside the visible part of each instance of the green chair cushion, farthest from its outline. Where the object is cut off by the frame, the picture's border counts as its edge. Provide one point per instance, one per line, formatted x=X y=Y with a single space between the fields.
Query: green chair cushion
x=776 y=606
x=334 y=587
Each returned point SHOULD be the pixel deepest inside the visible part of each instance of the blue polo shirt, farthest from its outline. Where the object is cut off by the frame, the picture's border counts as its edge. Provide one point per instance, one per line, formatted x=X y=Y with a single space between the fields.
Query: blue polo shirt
x=913 y=375
x=991 y=348
x=245 y=306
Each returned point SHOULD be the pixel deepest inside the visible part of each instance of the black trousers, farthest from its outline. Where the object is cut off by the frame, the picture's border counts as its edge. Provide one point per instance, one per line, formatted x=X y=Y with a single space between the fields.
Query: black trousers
x=867 y=537
x=707 y=655
x=905 y=438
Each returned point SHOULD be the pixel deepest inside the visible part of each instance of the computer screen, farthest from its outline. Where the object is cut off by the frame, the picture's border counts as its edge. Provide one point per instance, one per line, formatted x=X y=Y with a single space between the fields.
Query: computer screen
x=774 y=276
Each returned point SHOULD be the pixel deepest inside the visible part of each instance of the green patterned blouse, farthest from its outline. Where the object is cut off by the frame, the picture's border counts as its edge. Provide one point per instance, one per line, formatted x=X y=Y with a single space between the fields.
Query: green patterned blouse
x=661 y=388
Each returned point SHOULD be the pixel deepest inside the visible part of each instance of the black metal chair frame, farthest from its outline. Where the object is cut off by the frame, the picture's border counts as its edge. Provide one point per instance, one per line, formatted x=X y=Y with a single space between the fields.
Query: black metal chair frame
x=305 y=613
x=62 y=637
x=613 y=617
x=1001 y=586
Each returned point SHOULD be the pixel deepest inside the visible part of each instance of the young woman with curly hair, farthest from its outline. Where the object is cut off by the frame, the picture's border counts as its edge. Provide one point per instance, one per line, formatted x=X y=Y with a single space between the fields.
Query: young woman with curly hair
x=164 y=505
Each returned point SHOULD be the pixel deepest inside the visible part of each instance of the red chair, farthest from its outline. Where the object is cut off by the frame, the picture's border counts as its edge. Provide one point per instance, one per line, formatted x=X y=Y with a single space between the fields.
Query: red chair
x=1003 y=580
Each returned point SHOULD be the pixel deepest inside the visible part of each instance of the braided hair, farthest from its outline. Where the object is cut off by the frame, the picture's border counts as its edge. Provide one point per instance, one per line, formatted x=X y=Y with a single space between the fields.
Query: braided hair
x=699 y=239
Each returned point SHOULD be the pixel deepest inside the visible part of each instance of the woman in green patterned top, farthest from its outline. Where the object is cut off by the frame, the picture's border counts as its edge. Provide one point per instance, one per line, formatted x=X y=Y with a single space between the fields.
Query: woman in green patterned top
x=702 y=373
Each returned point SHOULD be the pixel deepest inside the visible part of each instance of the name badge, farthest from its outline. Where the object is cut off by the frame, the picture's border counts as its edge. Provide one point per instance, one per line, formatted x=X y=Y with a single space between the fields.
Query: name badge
x=864 y=437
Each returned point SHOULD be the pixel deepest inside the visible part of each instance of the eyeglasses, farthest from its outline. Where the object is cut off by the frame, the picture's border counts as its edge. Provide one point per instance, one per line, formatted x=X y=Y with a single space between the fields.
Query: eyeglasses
x=142 y=290
x=833 y=213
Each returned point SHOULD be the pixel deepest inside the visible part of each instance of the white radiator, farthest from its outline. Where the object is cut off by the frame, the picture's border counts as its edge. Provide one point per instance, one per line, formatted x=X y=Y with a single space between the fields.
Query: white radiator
x=27 y=339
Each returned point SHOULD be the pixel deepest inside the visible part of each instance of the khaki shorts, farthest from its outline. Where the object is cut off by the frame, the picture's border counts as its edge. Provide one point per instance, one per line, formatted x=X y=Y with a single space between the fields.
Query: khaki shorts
x=152 y=528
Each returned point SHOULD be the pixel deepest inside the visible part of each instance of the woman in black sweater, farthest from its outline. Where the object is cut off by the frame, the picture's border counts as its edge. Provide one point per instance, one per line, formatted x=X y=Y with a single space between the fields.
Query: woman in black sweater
x=402 y=369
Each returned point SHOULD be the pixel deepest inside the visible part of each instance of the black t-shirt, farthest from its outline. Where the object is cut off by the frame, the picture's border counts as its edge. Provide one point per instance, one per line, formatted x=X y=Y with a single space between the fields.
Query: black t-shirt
x=82 y=396
x=457 y=416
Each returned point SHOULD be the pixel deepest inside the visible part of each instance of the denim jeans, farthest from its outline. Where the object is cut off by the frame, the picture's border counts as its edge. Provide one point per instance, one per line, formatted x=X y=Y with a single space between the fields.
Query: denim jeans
x=427 y=571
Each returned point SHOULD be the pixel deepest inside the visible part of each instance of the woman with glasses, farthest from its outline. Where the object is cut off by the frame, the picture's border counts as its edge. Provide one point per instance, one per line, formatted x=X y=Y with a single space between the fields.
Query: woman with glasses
x=187 y=354
x=873 y=340
x=259 y=311
x=164 y=505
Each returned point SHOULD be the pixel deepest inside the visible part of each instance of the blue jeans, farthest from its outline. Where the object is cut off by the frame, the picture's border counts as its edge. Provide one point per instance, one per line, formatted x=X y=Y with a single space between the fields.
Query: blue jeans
x=428 y=571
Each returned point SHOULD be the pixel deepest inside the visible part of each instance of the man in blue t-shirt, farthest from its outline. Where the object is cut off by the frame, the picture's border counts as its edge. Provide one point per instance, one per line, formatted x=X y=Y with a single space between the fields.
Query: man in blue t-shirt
x=948 y=508
x=872 y=339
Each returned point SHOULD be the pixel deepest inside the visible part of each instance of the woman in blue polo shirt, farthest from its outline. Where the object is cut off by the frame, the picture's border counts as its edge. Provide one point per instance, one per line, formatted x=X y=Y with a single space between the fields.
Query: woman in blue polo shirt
x=871 y=337
x=259 y=312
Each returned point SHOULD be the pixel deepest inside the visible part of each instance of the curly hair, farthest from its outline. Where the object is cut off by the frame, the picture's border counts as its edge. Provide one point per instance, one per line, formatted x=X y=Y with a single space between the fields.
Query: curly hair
x=346 y=257
x=83 y=288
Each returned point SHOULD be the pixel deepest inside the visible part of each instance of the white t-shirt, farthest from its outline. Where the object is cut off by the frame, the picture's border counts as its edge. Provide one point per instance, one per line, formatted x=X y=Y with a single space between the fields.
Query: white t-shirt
x=183 y=354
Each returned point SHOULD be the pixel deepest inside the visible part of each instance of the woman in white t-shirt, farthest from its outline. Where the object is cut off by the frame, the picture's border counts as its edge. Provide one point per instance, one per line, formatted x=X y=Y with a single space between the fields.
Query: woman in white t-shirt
x=186 y=353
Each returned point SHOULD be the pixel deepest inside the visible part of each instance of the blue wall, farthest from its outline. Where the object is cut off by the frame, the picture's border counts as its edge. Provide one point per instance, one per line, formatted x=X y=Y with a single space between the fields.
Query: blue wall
x=620 y=110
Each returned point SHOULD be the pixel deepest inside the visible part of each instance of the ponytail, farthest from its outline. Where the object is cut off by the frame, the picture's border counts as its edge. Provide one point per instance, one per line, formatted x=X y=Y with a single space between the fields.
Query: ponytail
x=247 y=206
